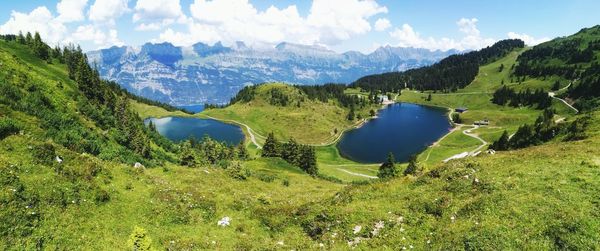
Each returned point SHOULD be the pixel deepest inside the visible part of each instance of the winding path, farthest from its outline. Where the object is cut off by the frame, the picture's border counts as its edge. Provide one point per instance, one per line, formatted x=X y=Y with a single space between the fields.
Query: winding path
x=553 y=95
x=250 y=131
x=483 y=142
x=358 y=174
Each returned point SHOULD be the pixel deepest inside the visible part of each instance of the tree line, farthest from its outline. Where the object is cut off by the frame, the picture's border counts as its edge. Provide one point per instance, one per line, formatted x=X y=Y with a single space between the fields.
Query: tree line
x=102 y=102
x=207 y=151
x=299 y=155
x=543 y=130
x=449 y=74
x=506 y=95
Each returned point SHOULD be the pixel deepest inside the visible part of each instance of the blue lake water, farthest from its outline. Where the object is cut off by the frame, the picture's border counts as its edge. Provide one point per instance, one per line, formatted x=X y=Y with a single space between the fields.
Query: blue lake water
x=403 y=129
x=178 y=129
x=192 y=108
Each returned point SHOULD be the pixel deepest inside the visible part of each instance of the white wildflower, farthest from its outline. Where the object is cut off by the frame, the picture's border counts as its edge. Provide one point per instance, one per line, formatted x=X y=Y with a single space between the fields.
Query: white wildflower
x=224 y=221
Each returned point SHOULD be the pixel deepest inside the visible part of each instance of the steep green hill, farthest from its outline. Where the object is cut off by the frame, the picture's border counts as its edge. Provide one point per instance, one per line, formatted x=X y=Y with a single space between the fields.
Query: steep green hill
x=575 y=59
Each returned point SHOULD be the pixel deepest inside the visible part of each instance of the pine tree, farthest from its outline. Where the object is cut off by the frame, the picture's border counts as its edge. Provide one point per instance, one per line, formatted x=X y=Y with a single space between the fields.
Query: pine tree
x=309 y=161
x=456 y=118
x=188 y=155
x=28 y=38
x=39 y=47
x=242 y=152
x=556 y=86
x=21 y=38
x=351 y=114
x=270 y=148
x=412 y=166
x=502 y=143
x=388 y=168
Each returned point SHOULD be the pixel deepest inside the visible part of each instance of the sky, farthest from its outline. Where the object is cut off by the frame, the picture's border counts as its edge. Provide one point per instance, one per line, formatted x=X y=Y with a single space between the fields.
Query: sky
x=340 y=25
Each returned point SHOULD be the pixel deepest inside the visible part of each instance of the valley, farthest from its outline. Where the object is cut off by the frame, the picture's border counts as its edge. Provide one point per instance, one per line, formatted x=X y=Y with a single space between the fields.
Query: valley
x=80 y=168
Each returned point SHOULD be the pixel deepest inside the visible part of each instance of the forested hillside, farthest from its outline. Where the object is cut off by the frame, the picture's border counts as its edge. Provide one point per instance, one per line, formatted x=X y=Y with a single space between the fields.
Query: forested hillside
x=450 y=74
x=575 y=58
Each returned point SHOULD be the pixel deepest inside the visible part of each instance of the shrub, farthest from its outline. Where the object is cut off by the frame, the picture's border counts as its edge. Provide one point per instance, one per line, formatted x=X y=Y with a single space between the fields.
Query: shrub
x=44 y=154
x=139 y=240
x=237 y=171
x=8 y=127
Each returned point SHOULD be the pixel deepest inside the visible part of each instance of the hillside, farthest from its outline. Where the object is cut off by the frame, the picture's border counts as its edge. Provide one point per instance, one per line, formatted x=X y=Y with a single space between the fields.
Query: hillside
x=69 y=142
x=289 y=112
x=68 y=182
x=447 y=75
x=573 y=58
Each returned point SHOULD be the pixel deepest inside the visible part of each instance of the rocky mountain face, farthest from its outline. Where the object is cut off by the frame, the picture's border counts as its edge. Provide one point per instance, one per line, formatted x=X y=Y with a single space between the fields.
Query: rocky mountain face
x=213 y=74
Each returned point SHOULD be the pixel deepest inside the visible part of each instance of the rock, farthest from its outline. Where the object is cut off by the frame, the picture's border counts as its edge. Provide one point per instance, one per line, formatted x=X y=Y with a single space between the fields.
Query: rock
x=138 y=165
x=58 y=159
x=224 y=221
x=357 y=229
x=378 y=226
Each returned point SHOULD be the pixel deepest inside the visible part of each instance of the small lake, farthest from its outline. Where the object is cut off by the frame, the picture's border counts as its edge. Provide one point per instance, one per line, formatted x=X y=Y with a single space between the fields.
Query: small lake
x=179 y=128
x=402 y=128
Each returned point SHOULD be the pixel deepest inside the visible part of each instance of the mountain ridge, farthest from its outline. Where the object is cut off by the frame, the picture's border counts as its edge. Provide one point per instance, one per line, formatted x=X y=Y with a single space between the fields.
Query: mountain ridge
x=202 y=73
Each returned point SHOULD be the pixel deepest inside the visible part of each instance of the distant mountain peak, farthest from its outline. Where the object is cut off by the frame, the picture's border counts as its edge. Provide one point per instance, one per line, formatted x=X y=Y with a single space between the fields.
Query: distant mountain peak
x=204 y=73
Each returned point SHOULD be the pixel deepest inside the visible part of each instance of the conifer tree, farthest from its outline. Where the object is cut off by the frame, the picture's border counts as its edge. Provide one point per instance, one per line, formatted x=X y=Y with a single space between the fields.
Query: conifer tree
x=21 y=38
x=388 y=168
x=28 y=38
x=351 y=114
x=242 y=152
x=309 y=161
x=412 y=166
x=502 y=143
x=39 y=47
x=270 y=148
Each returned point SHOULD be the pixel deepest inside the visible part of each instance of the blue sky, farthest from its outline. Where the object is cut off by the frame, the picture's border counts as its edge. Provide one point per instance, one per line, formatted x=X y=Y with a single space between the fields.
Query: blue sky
x=340 y=25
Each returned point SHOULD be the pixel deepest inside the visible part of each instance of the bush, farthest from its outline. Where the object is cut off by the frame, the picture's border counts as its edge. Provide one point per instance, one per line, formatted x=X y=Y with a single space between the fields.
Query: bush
x=8 y=127
x=44 y=154
x=139 y=240
x=237 y=171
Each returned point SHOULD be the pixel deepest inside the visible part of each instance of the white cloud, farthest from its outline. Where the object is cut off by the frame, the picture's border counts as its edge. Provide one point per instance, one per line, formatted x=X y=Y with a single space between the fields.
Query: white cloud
x=529 y=40
x=40 y=20
x=382 y=24
x=106 y=11
x=340 y=19
x=232 y=20
x=156 y=14
x=472 y=40
x=90 y=33
x=196 y=32
x=70 y=10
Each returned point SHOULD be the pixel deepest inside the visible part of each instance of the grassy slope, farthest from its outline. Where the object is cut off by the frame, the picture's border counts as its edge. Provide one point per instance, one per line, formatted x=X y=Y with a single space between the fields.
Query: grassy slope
x=313 y=122
x=477 y=98
x=543 y=197
x=58 y=205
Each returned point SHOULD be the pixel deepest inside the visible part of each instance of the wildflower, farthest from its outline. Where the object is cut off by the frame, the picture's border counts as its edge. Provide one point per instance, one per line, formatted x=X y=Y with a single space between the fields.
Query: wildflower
x=224 y=222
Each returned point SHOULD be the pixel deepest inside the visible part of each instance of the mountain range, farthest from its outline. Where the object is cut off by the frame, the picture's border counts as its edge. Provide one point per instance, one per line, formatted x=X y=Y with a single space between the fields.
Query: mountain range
x=202 y=73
